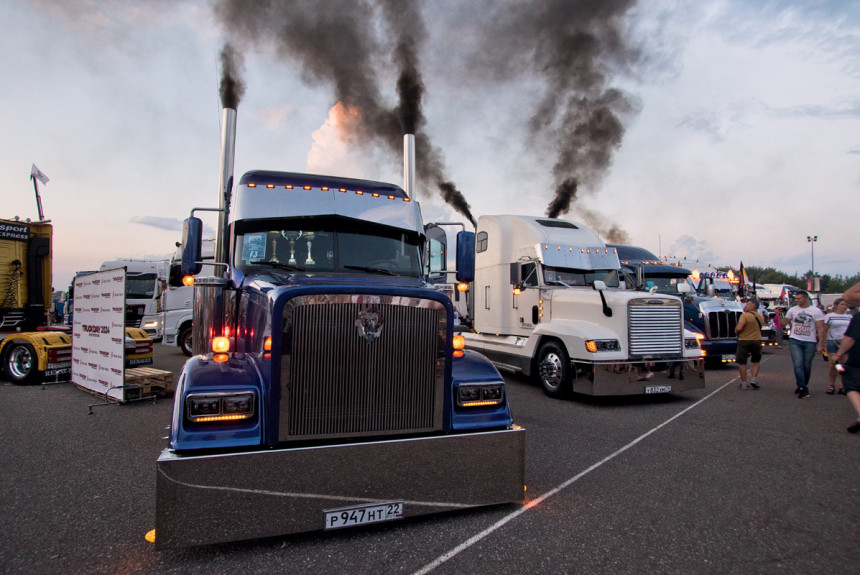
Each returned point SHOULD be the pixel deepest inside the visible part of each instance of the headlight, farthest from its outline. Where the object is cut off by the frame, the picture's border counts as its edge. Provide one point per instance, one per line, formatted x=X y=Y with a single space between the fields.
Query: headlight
x=595 y=345
x=225 y=406
x=480 y=394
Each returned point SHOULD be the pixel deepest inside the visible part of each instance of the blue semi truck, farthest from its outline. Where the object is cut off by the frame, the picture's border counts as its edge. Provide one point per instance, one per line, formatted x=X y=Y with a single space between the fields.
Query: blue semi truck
x=327 y=388
x=712 y=317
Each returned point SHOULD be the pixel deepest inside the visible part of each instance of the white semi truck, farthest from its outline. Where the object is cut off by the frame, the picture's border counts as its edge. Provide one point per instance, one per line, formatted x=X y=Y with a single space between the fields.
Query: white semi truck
x=145 y=280
x=546 y=302
x=177 y=313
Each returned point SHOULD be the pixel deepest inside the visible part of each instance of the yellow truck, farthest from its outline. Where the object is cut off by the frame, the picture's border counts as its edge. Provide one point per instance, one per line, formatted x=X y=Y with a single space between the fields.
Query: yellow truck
x=32 y=350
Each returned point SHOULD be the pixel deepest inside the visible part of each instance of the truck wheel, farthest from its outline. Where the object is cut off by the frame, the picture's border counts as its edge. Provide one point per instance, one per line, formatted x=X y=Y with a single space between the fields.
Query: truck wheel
x=185 y=341
x=553 y=370
x=20 y=363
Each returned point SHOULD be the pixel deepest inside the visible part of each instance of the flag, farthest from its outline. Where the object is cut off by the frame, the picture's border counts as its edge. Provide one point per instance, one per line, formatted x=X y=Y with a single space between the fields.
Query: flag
x=742 y=284
x=39 y=175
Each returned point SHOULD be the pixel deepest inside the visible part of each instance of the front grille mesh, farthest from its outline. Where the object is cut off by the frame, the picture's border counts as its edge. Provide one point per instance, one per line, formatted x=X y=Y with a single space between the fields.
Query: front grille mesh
x=340 y=384
x=655 y=329
x=721 y=324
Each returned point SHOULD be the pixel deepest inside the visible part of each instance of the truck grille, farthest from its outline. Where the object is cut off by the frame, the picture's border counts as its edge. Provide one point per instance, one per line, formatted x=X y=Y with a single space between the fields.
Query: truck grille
x=721 y=324
x=343 y=376
x=655 y=329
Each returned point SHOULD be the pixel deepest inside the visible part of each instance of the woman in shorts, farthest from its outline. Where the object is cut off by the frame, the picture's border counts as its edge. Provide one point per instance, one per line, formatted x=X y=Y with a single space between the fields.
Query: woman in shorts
x=835 y=324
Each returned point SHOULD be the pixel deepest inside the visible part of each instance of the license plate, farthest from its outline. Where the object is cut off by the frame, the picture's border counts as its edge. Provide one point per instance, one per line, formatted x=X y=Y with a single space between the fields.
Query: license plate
x=363 y=514
x=658 y=389
x=728 y=358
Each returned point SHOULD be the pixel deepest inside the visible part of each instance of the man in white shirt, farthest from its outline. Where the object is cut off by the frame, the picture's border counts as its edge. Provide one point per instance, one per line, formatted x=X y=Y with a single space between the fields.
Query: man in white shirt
x=807 y=338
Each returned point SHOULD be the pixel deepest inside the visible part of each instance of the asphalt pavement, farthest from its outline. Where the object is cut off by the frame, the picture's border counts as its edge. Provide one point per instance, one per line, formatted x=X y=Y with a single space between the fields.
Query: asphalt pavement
x=718 y=480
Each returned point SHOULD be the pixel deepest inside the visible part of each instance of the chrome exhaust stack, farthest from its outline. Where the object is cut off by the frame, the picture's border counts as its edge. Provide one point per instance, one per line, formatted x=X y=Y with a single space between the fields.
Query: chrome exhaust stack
x=228 y=156
x=408 y=163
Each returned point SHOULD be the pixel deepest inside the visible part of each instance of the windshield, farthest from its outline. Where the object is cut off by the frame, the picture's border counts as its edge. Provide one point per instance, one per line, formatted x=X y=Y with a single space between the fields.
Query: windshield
x=574 y=277
x=313 y=245
x=139 y=286
x=666 y=285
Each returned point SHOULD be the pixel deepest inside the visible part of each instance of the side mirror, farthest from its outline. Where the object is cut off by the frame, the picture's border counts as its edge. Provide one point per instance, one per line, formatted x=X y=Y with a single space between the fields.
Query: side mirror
x=599 y=285
x=684 y=288
x=710 y=290
x=465 y=256
x=192 y=239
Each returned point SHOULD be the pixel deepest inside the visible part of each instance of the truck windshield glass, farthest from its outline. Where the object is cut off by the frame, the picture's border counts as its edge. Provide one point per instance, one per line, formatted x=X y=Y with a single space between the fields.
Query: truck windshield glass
x=666 y=285
x=329 y=245
x=139 y=286
x=574 y=277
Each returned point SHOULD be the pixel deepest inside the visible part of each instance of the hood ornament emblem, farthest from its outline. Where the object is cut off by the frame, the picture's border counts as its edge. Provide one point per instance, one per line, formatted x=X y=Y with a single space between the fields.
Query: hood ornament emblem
x=368 y=325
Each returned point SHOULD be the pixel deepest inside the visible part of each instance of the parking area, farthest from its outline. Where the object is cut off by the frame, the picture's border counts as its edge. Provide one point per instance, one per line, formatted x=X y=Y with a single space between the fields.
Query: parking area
x=716 y=480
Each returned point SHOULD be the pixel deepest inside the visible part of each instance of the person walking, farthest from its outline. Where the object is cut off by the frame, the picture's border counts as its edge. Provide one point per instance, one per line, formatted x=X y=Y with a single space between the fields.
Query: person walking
x=848 y=356
x=807 y=330
x=835 y=324
x=749 y=343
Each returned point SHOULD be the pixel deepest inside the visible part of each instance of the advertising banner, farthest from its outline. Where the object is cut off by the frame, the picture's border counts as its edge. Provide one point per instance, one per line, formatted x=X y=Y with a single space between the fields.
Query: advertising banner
x=99 y=332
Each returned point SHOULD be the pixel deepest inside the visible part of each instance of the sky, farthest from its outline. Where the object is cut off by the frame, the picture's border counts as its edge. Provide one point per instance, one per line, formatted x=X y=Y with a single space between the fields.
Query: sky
x=740 y=122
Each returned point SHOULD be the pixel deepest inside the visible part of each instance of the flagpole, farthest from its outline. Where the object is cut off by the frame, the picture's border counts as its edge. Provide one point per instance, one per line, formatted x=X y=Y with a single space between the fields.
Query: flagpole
x=38 y=199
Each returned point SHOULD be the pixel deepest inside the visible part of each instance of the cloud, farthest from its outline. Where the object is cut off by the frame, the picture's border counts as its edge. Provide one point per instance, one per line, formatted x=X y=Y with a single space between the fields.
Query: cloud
x=169 y=224
x=692 y=249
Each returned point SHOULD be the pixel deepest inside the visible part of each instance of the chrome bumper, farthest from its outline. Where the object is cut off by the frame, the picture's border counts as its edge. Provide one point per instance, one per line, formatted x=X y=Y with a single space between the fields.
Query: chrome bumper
x=219 y=498
x=636 y=378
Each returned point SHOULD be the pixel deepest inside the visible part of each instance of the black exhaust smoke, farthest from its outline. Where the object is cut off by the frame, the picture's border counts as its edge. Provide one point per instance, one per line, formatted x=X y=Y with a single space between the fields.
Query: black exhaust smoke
x=573 y=46
x=348 y=62
x=232 y=88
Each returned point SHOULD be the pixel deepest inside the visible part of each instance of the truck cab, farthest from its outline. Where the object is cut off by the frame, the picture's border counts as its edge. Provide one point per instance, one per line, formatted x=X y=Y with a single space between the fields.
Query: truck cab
x=144 y=282
x=177 y=312
x=326 y=376
x=547 y=301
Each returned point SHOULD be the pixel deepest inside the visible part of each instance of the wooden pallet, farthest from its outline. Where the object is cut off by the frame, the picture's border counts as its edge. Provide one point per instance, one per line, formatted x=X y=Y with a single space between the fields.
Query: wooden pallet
x=143 y=381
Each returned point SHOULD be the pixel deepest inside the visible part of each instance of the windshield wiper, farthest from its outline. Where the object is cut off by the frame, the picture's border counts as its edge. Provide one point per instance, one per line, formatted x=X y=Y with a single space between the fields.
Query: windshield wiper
x=371 y=270
x=278 y=265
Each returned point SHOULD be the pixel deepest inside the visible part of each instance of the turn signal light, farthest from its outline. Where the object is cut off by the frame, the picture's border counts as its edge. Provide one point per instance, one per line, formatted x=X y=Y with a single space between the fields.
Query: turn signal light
x=220 y=344
x=188 y=281
x=462 y=287
x=267 y=344
x=459 y=342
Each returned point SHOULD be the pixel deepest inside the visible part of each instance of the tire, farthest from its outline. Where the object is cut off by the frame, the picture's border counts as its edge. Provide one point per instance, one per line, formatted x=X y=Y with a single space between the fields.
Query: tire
x=184 y=341
x=554 y=371
x=21 y=364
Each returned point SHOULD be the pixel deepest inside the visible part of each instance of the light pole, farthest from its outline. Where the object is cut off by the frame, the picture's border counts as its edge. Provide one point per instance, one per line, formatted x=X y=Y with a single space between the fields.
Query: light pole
x=812 y=240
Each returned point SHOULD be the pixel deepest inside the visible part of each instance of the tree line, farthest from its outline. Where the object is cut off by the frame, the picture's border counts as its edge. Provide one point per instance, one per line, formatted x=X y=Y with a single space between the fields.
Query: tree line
x=829 y=283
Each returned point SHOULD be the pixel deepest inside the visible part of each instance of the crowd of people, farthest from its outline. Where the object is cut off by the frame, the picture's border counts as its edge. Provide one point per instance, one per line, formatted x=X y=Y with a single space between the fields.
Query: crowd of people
x=812 y=331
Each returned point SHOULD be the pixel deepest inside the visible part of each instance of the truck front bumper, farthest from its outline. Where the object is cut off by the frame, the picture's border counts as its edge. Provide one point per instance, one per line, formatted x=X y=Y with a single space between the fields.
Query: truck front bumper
x=218 y=498
x=636 y=378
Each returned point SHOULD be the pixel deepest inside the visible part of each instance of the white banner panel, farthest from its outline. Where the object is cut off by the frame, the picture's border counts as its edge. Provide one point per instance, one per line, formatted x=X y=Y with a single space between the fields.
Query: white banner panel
x=98 y=332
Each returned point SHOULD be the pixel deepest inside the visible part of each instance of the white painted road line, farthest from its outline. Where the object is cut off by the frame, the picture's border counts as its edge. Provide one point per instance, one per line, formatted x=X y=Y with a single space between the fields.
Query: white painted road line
x=504 y=520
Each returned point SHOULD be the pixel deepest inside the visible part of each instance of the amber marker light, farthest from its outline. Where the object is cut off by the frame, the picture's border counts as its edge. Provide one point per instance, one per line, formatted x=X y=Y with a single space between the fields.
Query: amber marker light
x=188 y=281
x=252 y=185
x=220 y=358
x=359 y=193
x=288 y=187
x=459 y=342
x=270 y=186
x=220 y=344
x=462 y=287
x=517 y=291
x=267 y=344
x=150 y=536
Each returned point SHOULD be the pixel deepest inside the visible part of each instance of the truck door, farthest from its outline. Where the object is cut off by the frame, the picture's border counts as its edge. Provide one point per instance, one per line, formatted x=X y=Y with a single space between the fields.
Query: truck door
x=526 y=304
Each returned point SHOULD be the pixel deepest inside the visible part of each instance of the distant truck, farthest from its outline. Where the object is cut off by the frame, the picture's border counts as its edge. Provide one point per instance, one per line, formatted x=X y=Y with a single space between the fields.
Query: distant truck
x=31 y=350
x=177 y=313
x=547 y=303
x=712 y=317
x=144 y=282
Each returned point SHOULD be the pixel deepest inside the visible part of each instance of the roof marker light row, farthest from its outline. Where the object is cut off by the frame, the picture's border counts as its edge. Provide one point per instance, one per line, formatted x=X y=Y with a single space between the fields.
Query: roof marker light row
x=327 y=188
